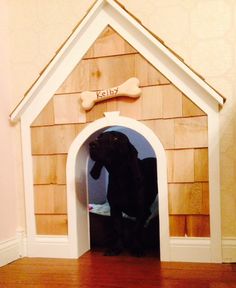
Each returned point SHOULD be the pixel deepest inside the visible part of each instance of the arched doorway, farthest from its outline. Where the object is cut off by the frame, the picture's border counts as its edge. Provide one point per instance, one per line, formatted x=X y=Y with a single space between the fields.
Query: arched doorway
x=99 y=208
x=77 y=188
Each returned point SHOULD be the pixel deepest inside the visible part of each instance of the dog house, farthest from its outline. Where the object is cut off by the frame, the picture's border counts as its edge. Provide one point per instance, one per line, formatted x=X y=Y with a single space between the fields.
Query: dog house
x=177 y=113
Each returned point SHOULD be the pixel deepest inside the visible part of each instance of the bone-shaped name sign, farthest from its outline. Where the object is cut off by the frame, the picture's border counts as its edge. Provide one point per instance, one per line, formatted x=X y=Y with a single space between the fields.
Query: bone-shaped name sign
x=129 y=88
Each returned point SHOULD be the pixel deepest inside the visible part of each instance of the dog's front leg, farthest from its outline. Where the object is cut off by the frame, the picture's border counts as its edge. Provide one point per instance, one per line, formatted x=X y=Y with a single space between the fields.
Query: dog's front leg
x=116 y=243
x=137 y=248
x=142 y=214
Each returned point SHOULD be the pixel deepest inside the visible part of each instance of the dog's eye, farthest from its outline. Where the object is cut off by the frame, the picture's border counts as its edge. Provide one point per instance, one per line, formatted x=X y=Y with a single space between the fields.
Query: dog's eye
x=115 y=139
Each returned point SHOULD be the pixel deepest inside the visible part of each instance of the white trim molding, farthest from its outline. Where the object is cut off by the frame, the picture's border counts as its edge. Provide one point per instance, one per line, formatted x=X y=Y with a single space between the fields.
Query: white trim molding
x=13 y=249
x=185 y=249
x=49 y=247
x=181 y=249
x=9 y=251
x=77 y=190
x=229 y=249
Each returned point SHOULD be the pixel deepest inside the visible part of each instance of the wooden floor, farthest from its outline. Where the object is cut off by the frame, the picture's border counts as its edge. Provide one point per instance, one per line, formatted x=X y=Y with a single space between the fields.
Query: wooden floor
x=97 y=271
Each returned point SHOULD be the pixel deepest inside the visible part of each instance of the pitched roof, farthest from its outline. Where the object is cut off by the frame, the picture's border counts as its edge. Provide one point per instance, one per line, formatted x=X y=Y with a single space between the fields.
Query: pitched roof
x=115 y=14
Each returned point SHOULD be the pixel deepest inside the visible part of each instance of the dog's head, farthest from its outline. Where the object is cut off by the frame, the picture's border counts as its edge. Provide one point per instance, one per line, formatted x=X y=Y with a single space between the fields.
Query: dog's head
x=110 y=148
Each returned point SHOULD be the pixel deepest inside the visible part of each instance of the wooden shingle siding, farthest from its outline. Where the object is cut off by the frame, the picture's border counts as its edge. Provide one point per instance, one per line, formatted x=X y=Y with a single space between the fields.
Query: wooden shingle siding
x=51 y=224
x=70 y=114
x=102 y=73
x=50 y=199
x=198 y=226
x=57 y=137
x=205 y=198
x=180 y=165
x=179 y=124
x=152 y=103
x=191 y=132
x=177 y=225
x=46 y=116
x=185 y=198
x=201 y=164
x=161 y=127
x=109 y=44
x=190 y=109
x=172 y=102
x=50 y=169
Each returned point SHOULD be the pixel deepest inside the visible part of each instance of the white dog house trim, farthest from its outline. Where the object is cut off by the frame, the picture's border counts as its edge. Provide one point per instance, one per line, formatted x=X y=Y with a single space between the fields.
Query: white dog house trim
x=76 y=177
x=102 y=14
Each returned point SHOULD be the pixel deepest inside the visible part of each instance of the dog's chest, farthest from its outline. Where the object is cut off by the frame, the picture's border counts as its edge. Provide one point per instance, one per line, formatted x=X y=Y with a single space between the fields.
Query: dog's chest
x=121 y=192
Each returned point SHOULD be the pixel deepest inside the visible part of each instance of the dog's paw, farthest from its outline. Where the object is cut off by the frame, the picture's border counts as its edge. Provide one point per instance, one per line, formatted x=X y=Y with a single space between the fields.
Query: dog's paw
x=138 y=252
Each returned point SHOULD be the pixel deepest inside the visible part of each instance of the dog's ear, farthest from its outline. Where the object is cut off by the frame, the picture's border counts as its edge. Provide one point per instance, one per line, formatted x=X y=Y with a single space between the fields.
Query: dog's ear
x=132 y=151
x=96 y=170
x=124 y=148
x=134 y=165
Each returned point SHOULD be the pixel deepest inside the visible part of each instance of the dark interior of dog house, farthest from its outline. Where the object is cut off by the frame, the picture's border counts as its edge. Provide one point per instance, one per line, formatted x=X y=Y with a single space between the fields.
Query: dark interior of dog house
x=99 y=209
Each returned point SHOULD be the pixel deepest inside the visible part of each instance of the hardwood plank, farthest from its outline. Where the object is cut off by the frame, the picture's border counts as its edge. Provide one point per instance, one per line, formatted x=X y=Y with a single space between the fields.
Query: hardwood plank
x=95 y=270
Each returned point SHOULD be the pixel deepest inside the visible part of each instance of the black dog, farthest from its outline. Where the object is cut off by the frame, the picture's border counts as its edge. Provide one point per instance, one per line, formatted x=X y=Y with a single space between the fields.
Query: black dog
x=132 y=185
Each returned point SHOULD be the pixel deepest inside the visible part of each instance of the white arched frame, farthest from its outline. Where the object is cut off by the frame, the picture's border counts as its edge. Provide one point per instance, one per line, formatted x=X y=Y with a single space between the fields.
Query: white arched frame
x=77 y=194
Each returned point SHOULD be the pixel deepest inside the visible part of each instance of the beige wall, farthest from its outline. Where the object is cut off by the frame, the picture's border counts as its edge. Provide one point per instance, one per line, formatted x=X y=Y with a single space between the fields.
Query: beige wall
x=8 y=199
x=203 y=32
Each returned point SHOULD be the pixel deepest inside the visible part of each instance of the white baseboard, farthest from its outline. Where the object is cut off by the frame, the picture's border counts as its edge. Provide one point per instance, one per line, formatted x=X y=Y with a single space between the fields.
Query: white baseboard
x=199 y=249
x=49 y=247
x=13 y=248
x=9 y=251
x=181 y=249
x=190 y=249
x=229 y=249
x=42 y=246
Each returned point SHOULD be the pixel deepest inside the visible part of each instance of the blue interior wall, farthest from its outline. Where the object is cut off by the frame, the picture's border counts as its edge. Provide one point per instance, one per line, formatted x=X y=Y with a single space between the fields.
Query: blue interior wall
x=97 y=188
